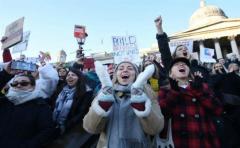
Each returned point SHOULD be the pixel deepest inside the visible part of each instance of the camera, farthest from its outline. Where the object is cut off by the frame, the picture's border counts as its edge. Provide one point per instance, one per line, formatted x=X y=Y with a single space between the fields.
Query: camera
x=21 y=65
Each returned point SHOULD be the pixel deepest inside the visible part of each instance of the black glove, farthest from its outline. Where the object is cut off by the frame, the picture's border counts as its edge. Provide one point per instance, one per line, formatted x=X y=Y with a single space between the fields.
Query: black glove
x=174 y=84
x=197 y=83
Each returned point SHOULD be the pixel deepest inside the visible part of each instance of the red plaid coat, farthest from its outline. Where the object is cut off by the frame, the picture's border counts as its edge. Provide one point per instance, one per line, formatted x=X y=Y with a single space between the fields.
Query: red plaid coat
x=191 y=111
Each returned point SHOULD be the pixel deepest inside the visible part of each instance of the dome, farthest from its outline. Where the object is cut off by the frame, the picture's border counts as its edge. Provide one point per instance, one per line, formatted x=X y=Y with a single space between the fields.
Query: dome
x=205 y=15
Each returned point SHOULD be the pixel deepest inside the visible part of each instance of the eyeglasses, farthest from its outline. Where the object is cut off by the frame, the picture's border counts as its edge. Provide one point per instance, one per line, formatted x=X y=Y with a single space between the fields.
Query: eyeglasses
x=23 y=83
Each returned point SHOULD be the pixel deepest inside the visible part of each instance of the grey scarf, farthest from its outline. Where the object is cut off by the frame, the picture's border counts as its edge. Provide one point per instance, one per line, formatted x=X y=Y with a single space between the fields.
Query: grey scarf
x=124 y=129
x=63 y=105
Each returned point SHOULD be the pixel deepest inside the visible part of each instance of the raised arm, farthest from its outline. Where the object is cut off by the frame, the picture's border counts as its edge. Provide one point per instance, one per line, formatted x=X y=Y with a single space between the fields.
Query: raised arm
x=163 y=46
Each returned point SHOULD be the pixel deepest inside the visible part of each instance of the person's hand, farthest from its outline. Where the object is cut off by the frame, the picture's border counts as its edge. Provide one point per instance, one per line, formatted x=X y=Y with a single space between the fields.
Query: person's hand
x=140 y=103
x=197 y=80
x=174 y=84
x=158 y=23
x=4 y=38
x=105 y=98
x=7 y=68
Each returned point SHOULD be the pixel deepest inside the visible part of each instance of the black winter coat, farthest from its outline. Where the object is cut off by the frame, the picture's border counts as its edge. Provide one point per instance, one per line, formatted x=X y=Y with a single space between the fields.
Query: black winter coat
x=28 y=125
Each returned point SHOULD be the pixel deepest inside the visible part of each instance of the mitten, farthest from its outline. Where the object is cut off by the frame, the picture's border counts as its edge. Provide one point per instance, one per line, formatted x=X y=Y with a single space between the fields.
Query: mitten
x=139 y=101
x=173 y=84
x=105 y=98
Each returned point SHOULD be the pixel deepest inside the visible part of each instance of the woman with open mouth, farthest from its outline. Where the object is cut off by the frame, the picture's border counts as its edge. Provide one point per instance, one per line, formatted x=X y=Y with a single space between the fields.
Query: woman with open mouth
x=124 y=113
x=71 y=105
x=190 y=104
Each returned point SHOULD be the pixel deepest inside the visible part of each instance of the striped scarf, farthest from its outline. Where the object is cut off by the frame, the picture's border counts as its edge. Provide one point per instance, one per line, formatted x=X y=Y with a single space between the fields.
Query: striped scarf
x=63 y=105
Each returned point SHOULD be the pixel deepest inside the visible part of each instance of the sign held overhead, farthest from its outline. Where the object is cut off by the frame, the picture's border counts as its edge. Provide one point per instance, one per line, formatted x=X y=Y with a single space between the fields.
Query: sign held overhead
x=14 y=33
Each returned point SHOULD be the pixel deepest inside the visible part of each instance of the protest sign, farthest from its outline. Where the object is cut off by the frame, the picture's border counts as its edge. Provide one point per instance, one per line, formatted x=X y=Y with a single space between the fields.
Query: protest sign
x=14 y=33
x=206 y=55
x=194 y=55
x=22 y=45
x=79 y=31
x=187 y=43
x=125 y=49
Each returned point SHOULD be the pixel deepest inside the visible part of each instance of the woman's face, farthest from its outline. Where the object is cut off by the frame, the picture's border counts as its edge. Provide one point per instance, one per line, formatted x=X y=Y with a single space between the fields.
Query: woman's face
x=62 y=72
x=179 y=70
x=71 y=79
x=125 y=74
x=182 y=51
x=22 y=83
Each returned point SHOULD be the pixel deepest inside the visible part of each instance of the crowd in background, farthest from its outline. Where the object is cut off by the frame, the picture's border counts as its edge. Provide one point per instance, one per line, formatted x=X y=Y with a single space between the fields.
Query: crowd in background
x=123 y=105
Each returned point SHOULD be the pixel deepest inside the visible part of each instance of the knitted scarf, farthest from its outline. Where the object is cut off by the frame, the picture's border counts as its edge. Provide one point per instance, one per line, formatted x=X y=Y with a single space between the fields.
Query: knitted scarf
x=18 y=97
x=124 y=129
x=63 y=105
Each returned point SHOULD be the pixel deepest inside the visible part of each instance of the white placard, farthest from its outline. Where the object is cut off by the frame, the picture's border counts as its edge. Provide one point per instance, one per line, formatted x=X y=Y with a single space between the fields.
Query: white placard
x=187 y=43
x=22 y=45
x=13 y=32
x=206 y=55
x=125 y=49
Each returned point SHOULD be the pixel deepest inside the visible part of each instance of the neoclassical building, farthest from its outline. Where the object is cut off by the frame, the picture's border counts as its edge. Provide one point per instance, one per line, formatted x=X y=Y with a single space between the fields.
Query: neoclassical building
x=209 y=27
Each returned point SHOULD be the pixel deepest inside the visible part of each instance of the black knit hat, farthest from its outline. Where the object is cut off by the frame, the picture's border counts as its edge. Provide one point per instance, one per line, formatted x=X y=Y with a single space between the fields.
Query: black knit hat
x=184 y=60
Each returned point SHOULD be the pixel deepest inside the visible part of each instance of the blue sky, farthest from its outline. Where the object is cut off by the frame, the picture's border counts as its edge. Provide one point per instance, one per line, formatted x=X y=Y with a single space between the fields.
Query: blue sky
x=51 y=22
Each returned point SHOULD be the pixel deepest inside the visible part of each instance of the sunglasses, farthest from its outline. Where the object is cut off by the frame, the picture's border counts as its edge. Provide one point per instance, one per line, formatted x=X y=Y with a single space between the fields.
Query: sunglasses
x=23 y=83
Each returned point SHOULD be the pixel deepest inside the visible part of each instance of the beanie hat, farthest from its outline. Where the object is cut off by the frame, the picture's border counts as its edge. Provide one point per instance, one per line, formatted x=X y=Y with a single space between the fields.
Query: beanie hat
x=184 y=60
x=114 y=80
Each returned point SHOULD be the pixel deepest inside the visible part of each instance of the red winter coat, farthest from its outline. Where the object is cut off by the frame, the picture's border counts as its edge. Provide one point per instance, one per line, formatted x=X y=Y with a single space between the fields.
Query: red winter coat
x=191 y=111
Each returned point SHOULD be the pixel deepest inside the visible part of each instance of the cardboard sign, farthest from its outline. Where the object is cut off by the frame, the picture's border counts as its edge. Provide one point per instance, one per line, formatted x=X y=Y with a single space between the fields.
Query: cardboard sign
x=79 y=31
x=22 y=45
x=187 y=43
x=88 y=63
x=14 y=33
x=125 y=49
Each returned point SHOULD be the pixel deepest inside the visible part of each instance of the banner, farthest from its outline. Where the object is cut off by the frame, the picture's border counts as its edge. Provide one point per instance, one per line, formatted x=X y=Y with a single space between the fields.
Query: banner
x=125 y=49
x=22 y=45
x=14 y=33
x=187 y=43
x=206 y=55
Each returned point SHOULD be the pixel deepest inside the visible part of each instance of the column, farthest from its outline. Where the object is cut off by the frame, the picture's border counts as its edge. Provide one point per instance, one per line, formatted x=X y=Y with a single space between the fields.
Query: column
x=201 y=45
x=218 y=49
x=234 y=45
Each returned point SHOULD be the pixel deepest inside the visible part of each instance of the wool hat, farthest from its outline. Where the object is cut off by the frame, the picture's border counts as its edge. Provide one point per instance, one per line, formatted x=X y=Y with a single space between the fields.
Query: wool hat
x=114 y=80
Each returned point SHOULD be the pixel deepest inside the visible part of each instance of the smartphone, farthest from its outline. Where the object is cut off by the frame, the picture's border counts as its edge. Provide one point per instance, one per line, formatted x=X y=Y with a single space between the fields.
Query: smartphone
x=21 y=65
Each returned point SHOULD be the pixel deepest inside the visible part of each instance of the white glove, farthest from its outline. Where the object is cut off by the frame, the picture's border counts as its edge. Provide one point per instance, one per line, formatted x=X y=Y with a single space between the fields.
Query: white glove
x=103 y=74
x=139 y=101
x=144 y=76
x=105 y=98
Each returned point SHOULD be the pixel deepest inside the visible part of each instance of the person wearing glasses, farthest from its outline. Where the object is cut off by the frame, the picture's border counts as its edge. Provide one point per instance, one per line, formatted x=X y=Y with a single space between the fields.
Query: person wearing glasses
x=26 y=119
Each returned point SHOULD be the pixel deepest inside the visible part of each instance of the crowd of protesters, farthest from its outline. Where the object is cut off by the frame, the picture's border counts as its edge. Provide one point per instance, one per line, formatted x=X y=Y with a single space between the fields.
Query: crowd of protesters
x=173 y=102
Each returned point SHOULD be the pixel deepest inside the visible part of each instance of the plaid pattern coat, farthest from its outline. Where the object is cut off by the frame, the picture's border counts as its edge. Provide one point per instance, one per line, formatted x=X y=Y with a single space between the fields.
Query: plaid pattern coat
x=191 y=111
